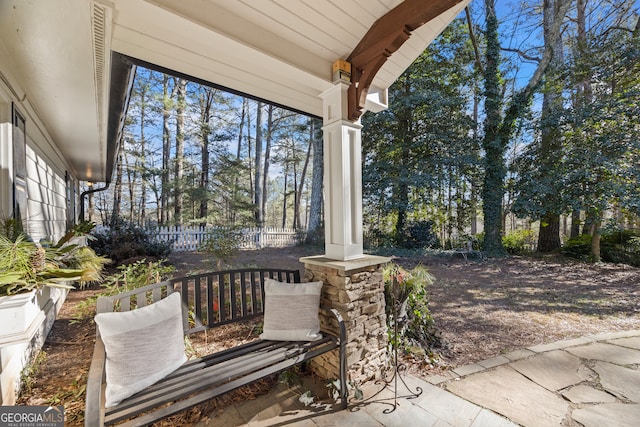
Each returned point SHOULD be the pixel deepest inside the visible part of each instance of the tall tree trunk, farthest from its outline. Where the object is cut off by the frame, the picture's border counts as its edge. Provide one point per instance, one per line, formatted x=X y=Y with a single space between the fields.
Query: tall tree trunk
x=473 y=197
x=575 y=224
x=258 y=169
x=494 y=147
x=130 y=173
x=595 y=238
x=166 y=150
x=117 y=196
x=551 y=148
x=300 y=223
x=267 y=160
x=315 y=208
x=284 y=194
x=401 y=187
x=499 y=127
x=205 y=105
x=91 y=214
x=236 y=184
x=181 y=85
x=249 y=156
x=143 y=182
x=583 y=98
x=295 y=185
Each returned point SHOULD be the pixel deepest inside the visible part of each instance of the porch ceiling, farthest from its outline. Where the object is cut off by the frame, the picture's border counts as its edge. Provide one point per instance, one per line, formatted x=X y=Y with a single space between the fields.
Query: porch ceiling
x=278 y=50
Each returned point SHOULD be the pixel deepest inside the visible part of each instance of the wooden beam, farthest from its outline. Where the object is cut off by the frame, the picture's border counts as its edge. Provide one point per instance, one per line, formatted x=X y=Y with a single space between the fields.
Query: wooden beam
x=385 y=36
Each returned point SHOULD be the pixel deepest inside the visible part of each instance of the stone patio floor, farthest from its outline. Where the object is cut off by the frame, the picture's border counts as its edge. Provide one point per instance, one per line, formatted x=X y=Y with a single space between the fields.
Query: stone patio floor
x=592 y=381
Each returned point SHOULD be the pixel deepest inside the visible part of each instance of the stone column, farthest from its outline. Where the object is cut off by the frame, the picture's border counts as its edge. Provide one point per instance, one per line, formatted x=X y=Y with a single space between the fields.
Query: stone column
x=356 y=289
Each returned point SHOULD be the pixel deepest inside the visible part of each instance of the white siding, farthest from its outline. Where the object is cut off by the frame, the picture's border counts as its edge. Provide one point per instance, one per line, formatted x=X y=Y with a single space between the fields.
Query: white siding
x=46 y=216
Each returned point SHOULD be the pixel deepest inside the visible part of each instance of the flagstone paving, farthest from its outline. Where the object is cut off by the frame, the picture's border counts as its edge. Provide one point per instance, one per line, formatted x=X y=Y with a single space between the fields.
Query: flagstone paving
x=593 y=381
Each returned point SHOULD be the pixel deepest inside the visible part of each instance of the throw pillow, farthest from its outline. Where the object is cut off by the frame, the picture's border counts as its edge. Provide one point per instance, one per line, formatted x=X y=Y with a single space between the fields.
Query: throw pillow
x=143 y=346
x=291 y=311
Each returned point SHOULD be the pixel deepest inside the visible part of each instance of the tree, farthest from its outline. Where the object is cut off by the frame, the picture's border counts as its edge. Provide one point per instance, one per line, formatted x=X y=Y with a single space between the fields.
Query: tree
x=166 y=108
x=181 y=85
x=259 y=214
x=206 y=100
x=411 y=161
x=500 y=119
x=315 y=205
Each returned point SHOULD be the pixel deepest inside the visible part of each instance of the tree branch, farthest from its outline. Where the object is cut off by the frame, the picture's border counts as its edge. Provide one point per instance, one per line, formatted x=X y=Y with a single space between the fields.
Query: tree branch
x=522 y=98
x=521 y=53
x=474 y=41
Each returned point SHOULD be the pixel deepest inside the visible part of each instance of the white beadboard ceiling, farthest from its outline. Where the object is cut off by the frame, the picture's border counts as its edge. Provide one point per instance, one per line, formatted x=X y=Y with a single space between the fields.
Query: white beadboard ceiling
x=278 y=50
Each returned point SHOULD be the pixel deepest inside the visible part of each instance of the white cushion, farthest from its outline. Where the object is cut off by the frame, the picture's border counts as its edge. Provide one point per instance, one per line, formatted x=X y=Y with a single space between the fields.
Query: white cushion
x=291 y=311
x=142 y=345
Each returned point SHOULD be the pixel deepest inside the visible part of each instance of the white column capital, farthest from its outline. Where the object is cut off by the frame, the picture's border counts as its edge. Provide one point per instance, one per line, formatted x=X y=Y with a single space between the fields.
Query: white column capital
x=334 y=103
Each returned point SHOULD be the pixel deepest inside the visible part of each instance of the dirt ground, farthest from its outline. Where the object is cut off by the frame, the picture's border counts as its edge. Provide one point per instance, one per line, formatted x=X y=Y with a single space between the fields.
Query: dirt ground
x=482 y=308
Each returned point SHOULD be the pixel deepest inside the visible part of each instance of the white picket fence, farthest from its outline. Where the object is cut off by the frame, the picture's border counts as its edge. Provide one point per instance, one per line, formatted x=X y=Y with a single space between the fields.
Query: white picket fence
x=190 y=238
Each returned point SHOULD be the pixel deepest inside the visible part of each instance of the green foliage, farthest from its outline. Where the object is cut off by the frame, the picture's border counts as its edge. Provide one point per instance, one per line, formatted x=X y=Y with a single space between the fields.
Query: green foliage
x=621 y=247
x=578 y=247
x=518 y=241
x=290 y=378
x=138 y=274
x=420 y=234
x=26 y=265
x=129 y=277
x=618 y=247
x=11 y=228
x=124 y=240
x=223 y=243
x=406 y=295
x=410 y=157
x=28 y=373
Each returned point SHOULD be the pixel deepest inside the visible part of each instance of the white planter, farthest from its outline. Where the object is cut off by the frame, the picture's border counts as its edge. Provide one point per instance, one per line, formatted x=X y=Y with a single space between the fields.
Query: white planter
x=25 y=321
x=20 y=315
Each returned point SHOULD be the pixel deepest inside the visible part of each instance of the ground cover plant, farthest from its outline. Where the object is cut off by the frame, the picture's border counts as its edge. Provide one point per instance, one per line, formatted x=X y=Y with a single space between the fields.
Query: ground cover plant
x=481 y=309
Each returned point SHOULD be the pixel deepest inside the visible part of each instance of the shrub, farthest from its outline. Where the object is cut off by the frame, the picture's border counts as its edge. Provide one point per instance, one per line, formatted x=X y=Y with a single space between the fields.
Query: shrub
x=618 y=247
x=223 y=243
x=138 y=274
x=518 y=241
x=578 y=247
x=377 y=238
x=124 y=240
x=621 y=247
x=420 y=234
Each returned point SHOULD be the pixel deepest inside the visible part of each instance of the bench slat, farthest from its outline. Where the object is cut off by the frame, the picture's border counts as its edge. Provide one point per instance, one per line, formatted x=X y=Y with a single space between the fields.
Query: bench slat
x=210 y=390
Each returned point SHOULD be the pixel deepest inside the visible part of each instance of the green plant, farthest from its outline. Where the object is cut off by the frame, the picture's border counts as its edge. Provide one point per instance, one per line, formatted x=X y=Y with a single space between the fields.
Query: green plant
x=578 y=247
x=223 y=243
x=26 y=265
x=123 y=240
x=407 y=304
x=138 y=274
x=129 y=277
x=518 y=241
x=290 y=378
x=27 y=374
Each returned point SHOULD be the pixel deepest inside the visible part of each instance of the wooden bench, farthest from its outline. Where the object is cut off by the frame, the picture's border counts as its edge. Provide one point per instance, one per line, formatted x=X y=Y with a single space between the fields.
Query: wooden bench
x=240 y=295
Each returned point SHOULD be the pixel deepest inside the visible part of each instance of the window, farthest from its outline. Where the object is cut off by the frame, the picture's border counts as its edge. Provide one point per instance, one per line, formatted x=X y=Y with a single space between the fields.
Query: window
x=19 y=165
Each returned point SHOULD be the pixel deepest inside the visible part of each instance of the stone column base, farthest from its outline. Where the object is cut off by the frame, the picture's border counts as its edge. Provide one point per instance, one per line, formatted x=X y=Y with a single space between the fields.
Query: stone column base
x=356 y=289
